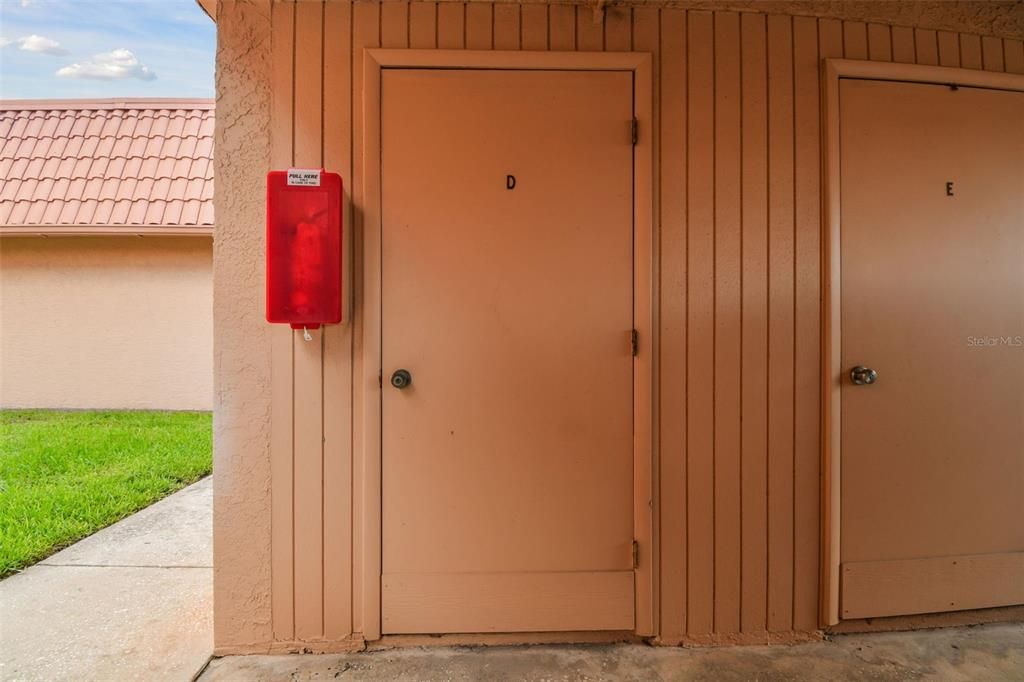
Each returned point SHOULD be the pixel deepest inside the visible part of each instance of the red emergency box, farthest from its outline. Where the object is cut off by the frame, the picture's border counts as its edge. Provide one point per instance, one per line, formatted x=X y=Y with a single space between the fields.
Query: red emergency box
x=304 y=272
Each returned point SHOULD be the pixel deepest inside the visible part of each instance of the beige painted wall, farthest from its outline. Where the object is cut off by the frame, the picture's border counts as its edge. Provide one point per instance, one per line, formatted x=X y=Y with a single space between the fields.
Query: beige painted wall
x=106 y=322
x=289 y=474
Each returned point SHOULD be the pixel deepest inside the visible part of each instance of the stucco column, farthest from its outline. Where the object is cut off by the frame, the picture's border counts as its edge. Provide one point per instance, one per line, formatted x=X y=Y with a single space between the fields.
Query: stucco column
x=242 y=614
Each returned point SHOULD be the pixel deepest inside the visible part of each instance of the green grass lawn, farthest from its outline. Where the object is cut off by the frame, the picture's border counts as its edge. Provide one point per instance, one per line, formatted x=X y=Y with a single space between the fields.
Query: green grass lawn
x=64 y=475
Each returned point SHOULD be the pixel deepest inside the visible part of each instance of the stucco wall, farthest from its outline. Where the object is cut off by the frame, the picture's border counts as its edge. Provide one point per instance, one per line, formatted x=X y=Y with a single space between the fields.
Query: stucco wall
x=106 y=322
x=242 y=380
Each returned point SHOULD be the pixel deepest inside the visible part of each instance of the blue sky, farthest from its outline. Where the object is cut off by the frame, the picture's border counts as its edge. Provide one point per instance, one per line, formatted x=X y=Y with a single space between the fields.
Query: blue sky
x=54 y=49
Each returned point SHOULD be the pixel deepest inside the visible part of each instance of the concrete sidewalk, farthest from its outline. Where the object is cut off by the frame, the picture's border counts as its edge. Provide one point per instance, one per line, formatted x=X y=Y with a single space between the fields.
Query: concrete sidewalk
x=969 y=654
x=131 y=602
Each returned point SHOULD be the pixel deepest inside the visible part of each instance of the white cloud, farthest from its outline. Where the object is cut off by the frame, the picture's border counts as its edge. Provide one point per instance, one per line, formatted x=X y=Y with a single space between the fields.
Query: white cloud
x=115 y=65
x=34 y=43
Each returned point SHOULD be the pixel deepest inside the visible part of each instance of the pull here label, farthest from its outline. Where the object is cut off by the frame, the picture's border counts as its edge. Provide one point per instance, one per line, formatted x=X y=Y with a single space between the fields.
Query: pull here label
x=303 y=177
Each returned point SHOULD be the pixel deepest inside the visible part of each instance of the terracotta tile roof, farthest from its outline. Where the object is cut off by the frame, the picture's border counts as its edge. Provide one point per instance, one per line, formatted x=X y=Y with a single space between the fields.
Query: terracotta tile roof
x=106 y=163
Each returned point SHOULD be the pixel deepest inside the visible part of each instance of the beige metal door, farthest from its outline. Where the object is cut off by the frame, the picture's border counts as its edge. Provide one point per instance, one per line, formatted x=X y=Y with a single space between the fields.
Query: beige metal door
x=507 y=294
x=932 y=295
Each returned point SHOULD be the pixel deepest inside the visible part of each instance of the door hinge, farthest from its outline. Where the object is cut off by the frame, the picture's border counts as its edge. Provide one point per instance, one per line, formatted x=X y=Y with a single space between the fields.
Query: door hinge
x=636 y=554
x=380 y=378
x=634 y=342
x=634 y=128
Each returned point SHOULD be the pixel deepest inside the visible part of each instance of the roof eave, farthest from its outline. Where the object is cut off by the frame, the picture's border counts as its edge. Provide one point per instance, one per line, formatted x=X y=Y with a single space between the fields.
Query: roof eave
x=105 y=230
x=209 y=7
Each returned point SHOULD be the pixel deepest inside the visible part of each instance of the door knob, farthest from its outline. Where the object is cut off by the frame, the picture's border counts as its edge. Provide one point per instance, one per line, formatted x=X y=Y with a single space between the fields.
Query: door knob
x=401 y=378
x=863 y=376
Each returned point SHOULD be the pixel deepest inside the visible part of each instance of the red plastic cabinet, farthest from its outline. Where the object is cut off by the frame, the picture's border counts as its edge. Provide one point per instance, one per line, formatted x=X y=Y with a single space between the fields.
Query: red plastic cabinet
x=304 y=256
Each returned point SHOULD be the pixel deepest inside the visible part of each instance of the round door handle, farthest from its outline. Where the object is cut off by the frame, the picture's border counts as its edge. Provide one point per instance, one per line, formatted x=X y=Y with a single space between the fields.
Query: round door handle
x=863 y=376
x=401 y=378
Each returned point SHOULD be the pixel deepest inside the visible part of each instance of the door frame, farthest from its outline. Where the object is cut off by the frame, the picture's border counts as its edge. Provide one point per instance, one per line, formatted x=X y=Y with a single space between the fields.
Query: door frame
x=367 y=502
x=831 y=333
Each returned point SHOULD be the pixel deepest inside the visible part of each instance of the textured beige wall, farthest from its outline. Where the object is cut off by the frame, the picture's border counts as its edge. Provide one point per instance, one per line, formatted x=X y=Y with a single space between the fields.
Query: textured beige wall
x=106 y=322
x=241 y=533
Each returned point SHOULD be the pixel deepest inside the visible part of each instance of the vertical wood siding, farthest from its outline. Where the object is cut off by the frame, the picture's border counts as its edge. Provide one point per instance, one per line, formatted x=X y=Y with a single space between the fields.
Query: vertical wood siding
x=738 y=261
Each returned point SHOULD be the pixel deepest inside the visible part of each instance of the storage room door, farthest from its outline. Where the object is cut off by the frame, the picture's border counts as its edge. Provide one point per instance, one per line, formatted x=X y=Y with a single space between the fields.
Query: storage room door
x=932 y=295
x=507 y=296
